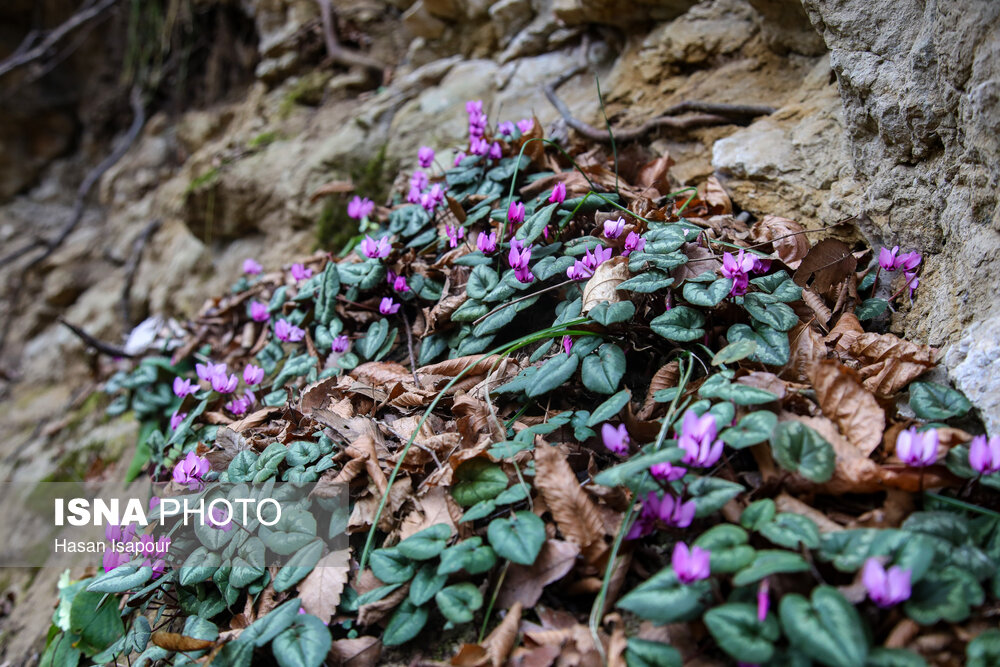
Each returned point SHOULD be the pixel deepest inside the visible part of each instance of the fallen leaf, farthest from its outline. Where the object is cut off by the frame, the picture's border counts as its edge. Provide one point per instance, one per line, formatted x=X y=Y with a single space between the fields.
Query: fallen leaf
x=362 y=651
x=332 y=188
x=575 y=512
x=785 y=235
x=665 y=378
x=844 y=400
x=716 y=196
x=603 y=285
x=827 y=263
x=523 y=584
x=817 y=305
x=653 y=174
x=807 y=348
x=700 y=260
x=499 y=642
x=889 y=363
x=790 y=504
x=173 y=641
x=321 y=589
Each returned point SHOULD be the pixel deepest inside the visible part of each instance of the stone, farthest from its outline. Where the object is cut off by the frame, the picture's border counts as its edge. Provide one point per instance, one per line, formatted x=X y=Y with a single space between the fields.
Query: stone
x=421 y=23
x=974 y=366
x=618 y=12
x=509 y=17
x=786 y=28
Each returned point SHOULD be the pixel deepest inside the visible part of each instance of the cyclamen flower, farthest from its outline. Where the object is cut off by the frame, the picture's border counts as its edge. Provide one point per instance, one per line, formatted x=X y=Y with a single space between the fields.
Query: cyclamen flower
x=474 y=106
x=519 y=255
x=209 y=370
x=219 y=520
x=496 y=152
x=258 y=311
x=567 y=344
x=526 y=125
x=912 y=281
x=515 y=212
x=437 y=193
x=690 y=565
x=240 y=405
x=184 y=387
x=886 y=588
x=454 y=234
x=614 y=228
x=113 y=559
x=373 y=249
x=579 y=271
x=117 y=533
x=251 y=267
x=908 y=261
x=486 y=244
x=288 y=332
x=917 y=449
x=506 y=128
x=887 y=258
x=667 y=472
x=459 y=157
x=419 y=180
x=558 y=193
x=399 y=284
x=984 y=455
x=425 y=156
x=300 y=272
x=478 y=146
x=340 y=344
x=190 y=470
x=697 y=439
x=413 y=196
x=177 y=419
x=738 y=269
x=252 y=375
x=524 y=274
x=594 y=259
x=668 y=510
x=615 y=438
x=633 y=243
x=763 y=601
x=387 y=306
x=225 y=385
x=359 y=208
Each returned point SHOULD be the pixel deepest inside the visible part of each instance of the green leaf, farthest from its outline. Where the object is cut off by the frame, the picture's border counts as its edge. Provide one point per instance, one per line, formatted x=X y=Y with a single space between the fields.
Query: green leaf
x=326 y=300
x=602 y=372
x=897 y=657
x=61 y=652
x=753 y=428
x=734 y=352
x=645 y=653
x=470 y=311
x=728 y=546
x=798 y=448
x=298 y=566
x=459 y=603
x=610 y=313
x=470 y=555
x=552 y=374
x=94 y=618
x=776 y=315
x=426 y=584
x=369 y=346
x=936 y=401
x=870 y=309
x=610 y=407
x=772 y=345
x=740 y=634
x=719 y=386
x=945 y=595
x=710 y=494
x=779 y=286
x=477 y=479
x=758 y=514
x=768 y=562
x=518 y=538
x=405 y=624
x=707 y=295
x=199 y=566
x=512 y=495
x=480 y=510
x=630 y=470
x=984 y=650
x=646 y=283
x=826 y=628
x=790 y=530
x=375 y=595
x=640 y=261
x=664 y=599
x=304 y=644
x=429 y=542
x=391 y=566
x=481 y=281
x=535 y=223
x=680 y=324
x=238 y=653
x=120 y=579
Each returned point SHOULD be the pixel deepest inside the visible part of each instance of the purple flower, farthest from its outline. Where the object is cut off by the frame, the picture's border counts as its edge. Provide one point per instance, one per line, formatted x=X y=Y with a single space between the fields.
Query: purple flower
x=667 y=472
x=558 y=193
x=737 y=268
x=455 y=234
x=908 y=261
x=459 y=157
x=251 y=267
x=885 y=588
x=118 y=533
x=614 y=228
x=668 y=510
x=209 y=370
x=615 y=438
x=912 y=281
x=414 y=195
x=258 y=311
x=917 y=449
x=184 y=387
x=496 y=152
x=887 y=258
x=594 y=259
x=487 y=244
x=387 y=306
x=373 y=249
x=763 y=601
x=579 y=271
x=359 y=208
x=633 y=242
x=567 y=344
x=526 y=125
x=474 y=106
x=506 y=128
x=252 y=375
x=399 y=284
x=515 y=212
x=428 y=202
x=419 y=180
x=984 y=455
x=478 y=146
x=219 y=520
x=340 y=344
x=519 y=255
x=425 y=156
x=288 y=332
x=300 y=272
x=239 y=405
x=113 y=559
x=524 y=274
x=176 y=419
x=223 y=384
x=697 y=439
x=690 y=565
x=190 y=470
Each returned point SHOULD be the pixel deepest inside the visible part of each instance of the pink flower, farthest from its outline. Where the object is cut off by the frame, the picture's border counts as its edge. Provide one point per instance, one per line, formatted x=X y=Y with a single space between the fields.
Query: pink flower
x=912 y=281
x=886 y=589
x=633 y=243
x=594 y=259
x=251 y=267
x=908 y=261
x=258 y=311
x=209 y=370
x=113 y=559
x=454 y=234
x=238 y=406
x=190 y=470
x=425 y=156
x=668 y=510
x=359 y=208
x=177 y=419
x=184 y=387
x=458 y=158
x=515 y=212
x=506 y=128
x=340 y=344
x=579 y=271
x=667 y=472
x=763 y=601
x=887 y=258
x=373 y=249
x=524 y=274
x=399 y=284
x=697 y=439
x=414 y=195
x=558 y=193
x=300 y=272
x=567 y=344
x=219 y=520
x=984 y=455
x=917 y=449
x=738 y=269
x=437 y=193
x=614 y=228
x=478 y=145
x=419 y=180
x=690 y=565
x=117 y=533
x=615 y=438
x=473 y=107
x=387 y=306
x=288 y=332
x=519 y=255
x=496 y=152
x=487 y=244
x=252 y=375
x=526 y=125
x=223 y=384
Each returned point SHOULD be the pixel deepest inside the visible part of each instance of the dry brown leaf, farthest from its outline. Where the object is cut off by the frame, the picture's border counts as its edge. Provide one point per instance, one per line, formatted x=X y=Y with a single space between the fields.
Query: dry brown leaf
x=790 y=244
x=575 y=512
x=470 y=655
x=654 y=174
x=844 y=333
x=499 y=642
x=853 y=473
x=716 y=196
x=790 y=504
x=433 y=508
x=524 y=584
x=807 y=348
x=889 y=363
x=374 y=612
x=844 y=400
x=332 y=188
x=664 y=378
x=363 y=651
x=321 y=589
x=449 y=368
x=827 y=263
x=817 y=305
x=766 y=381
x=173 y=641
x=603 y=285
x=700 y=260
x=379 y=373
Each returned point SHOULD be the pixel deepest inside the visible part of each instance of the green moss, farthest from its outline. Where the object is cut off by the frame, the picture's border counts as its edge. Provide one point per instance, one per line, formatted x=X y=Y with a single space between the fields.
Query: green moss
x=307 y=91
x=209 y=178
x=264 y=139
x=371 y=179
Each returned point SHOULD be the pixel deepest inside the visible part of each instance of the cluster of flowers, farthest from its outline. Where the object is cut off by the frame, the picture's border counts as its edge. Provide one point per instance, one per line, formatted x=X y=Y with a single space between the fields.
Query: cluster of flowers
x=428 y=197
x=739 y=267
x=920 y=449
x=890 y=260
x=218 y=377
x=120 y=555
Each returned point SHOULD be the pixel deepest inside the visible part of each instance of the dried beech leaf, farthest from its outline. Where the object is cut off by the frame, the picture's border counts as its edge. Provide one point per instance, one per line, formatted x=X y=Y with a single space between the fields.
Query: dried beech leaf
x=363 y=651
x=664 y=378
x=787 y=503
x=790 y=244
x=173 y=641
x=889 y=363
x=807 y=348
x=524 y=584
x=575 y=512
x=603 y=285
x=320 y=590
x=844 y=400
x=827 y=263
x=716 y=197
x=499 y=642
x=452 y=367
x=700 y=260
x=818 y=306
x=844 y=333
x=654 y=174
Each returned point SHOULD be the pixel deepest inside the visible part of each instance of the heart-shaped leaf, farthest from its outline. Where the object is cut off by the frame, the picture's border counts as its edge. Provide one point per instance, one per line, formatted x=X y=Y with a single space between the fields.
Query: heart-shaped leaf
x=798 y=448
x=470 y=555
x=936 y=401
x=739 y=633
x=946 y=595
x=476 y=480
x=123 y=578
x=827 y=628
x=774 y=314
x=780 y=286
x=518 y=538
x=610 y=313
x=481 y=281
x=609 y=408
x=758 y=514
x=391 y=566
x=711 y=493
x=753 y=428
x=405 y=624
x=681 y=324
x=735 y=351
x=870 y=309
x=304 y=644
x=459 y=602
x=648 y=282
x=772 y=345
x=707 y=295
x=664 y=599
x=426 y=584
x=603 y=371
x=728 y=547
x=790 y=530
x=646 y=653
x=369 y=346
x=768 y=562
x=428 y=542
x=552 y=374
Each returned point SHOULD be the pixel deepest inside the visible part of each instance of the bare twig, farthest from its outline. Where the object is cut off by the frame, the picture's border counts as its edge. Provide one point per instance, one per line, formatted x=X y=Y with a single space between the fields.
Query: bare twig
x=98 y=345
x=131 y=268
x=341 y=54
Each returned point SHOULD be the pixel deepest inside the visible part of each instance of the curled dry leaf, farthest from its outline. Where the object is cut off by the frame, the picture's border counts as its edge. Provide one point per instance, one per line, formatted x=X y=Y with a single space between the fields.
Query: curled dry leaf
x=363 y=651
x=603 y=285
x=665 y=378
x=844 y=333
x=766 y=381
x=575 y=512
x=826 y=264
x=173 y=641
x=889 y=363
x=449 y=368
x=523 y=584
x=790 y=244
x=817 y=305
x=844 y=400
x=500 y=642
x=654 y=174
x=321 y=589
x=716 y=197
x=807 y=348
x=332 y=188
x=374 y=612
